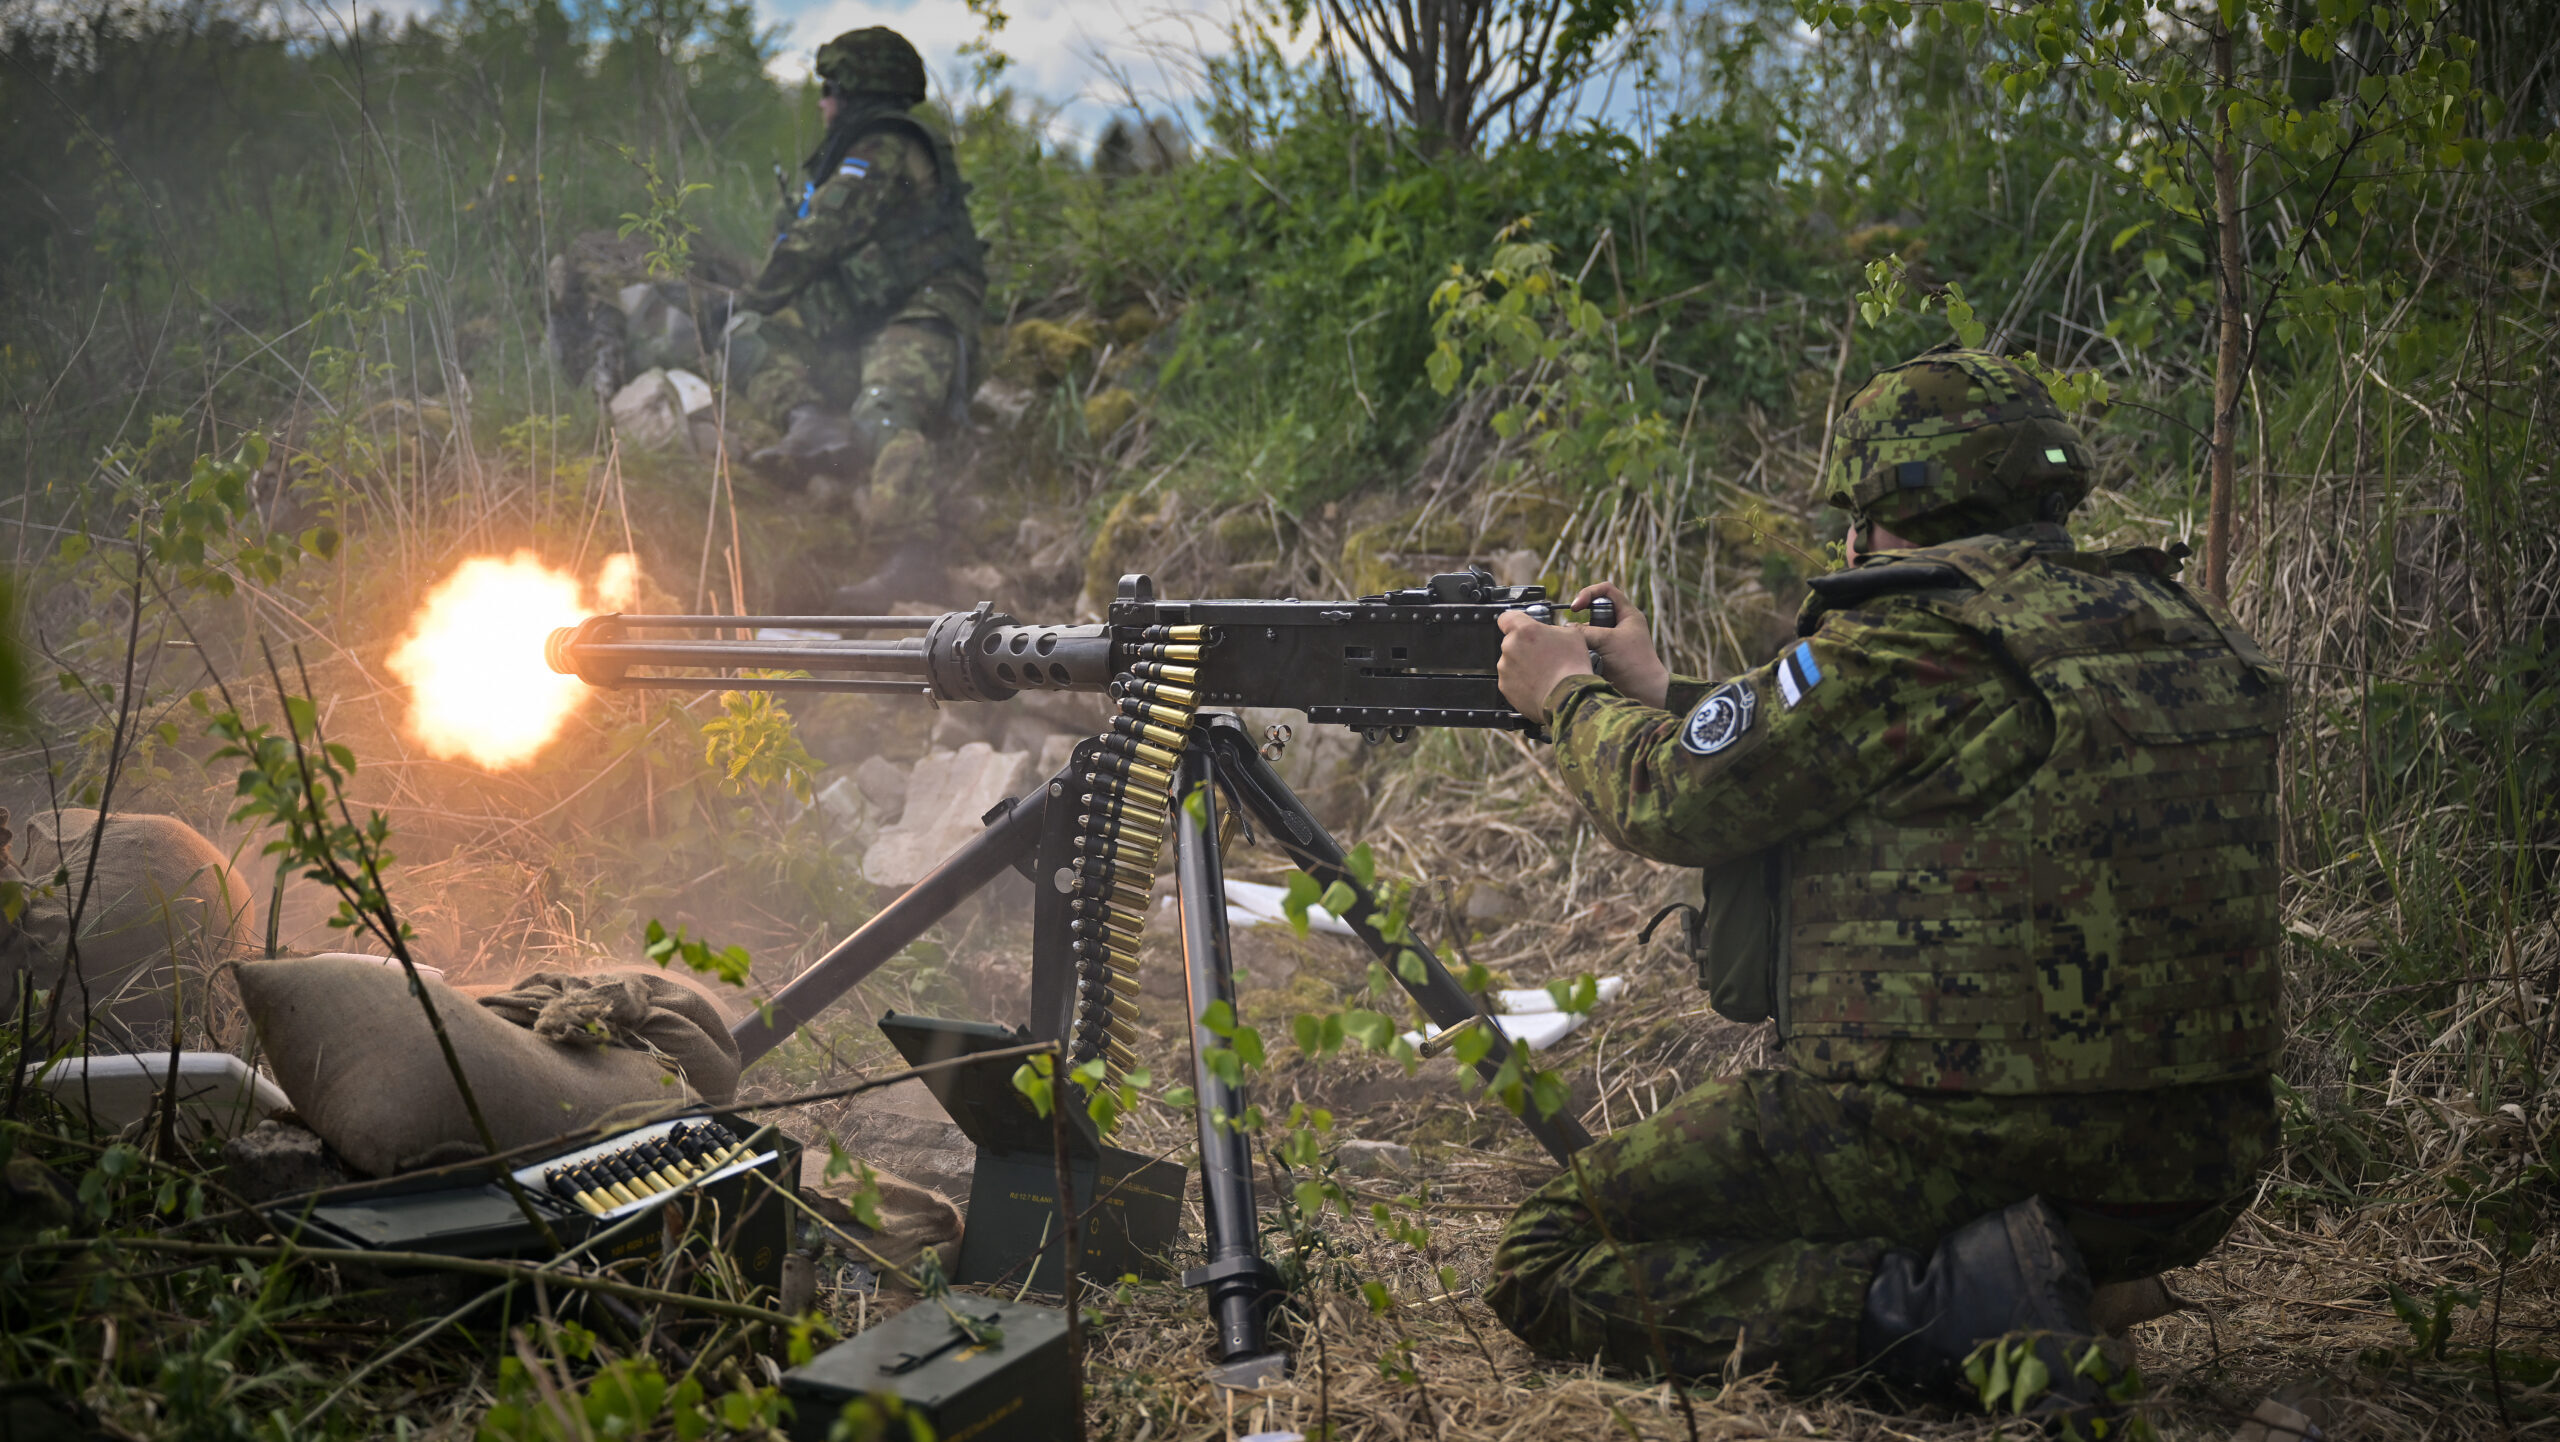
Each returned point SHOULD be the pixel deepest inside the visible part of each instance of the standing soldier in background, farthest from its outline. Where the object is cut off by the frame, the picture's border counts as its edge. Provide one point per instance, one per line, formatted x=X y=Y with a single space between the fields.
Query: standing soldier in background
x=854 y=341
x=1994 y=844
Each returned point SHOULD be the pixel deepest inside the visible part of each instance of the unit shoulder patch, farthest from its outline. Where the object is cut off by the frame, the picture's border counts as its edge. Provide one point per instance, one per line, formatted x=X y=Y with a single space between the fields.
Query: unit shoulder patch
x=1722 y=717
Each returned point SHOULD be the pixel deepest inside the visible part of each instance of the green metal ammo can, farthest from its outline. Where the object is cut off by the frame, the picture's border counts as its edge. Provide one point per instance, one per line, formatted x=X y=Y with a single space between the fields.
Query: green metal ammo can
x=1018 y=1389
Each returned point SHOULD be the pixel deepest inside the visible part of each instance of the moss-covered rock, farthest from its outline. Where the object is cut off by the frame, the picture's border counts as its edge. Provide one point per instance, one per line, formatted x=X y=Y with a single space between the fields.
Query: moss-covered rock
x=1132 y=534
x=1042 y=352
x=1106 y=411
x=1400 y=552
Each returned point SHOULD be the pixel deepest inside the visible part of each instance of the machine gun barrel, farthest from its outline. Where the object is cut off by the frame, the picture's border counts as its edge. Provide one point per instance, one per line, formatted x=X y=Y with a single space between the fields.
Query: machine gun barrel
x=1383 y=664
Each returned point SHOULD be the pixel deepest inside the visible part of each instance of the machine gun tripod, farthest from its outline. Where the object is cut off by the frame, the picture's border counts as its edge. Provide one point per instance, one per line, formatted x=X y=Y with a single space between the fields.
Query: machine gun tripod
x=1163 y=773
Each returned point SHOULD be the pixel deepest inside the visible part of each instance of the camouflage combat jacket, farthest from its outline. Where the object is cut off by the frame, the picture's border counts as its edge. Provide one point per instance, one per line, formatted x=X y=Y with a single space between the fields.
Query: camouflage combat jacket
x=2024 y=798
x=880 y=233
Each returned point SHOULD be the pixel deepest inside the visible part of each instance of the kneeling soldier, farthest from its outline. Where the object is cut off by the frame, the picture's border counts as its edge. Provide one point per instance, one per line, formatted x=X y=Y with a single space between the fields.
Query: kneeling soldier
x=1995 y=845
x=853 y=342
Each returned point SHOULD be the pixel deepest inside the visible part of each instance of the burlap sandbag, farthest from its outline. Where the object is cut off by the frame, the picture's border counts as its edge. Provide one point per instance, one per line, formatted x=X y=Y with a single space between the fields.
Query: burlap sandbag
x=912 y=1218
x=353 y=1051
x=163 y=912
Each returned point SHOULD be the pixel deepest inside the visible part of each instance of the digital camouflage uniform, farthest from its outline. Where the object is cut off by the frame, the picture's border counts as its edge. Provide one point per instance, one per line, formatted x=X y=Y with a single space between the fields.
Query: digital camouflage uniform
x=869 y=302
x=2006 y=816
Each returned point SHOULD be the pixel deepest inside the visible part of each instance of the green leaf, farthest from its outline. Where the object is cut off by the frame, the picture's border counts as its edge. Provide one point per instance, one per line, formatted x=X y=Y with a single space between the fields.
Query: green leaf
x=1372 y=1030
x=1219 y=1019
x=1340 y=900
x=1304 y=892
x=2034 y=1379
x=1307 y=1030
x=1363 y=866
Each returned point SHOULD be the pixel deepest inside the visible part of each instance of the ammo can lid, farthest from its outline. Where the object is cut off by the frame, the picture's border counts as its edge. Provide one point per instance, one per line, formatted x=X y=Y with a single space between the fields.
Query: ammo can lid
x=981 y=1099
x=925 y=1360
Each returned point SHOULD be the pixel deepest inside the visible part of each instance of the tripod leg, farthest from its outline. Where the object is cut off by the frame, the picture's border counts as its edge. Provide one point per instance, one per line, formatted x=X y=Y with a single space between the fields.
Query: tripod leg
x=1261 y=791
x=1240 y=1283
x=1006 y=843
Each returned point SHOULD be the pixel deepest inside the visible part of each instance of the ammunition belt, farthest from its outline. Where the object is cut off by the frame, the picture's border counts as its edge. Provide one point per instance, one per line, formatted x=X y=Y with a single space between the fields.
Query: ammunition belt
x=1121 y=823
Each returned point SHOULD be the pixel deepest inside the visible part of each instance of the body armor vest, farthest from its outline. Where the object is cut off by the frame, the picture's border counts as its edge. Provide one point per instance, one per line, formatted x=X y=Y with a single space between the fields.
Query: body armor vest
x=2110 y=924
x=914 y=245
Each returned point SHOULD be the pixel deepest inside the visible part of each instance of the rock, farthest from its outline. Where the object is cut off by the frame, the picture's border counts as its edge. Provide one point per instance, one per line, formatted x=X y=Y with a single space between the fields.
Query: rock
x=1083 y=712
x=1318 y=763
x=884 y=783
x=1515 y=568
x=1003 y=401
x=1488 y=905
x=847 y=811
x=2273 y=1421
x=1375 y=1159
x=958 y=726
x=947 y=794
x=647 y=414
x=659 y=408
x=1056 y=749
x=1105 y=412
x=979 y=583
x=279 y=1158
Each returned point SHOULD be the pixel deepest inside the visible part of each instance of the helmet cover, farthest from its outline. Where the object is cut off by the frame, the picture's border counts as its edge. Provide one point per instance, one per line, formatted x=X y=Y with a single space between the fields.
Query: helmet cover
x=1954 y=443
x=875 y=60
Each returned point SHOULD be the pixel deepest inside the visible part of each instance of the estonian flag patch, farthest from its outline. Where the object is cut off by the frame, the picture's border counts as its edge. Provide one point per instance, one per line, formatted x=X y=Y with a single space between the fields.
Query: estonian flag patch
x=1798 y=673
x=854 y=166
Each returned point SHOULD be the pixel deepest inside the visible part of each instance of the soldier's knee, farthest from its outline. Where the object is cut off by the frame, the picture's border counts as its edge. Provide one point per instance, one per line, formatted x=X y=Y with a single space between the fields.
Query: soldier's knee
x=901 y=493
x=887 y=409
x=1540 y=1251
x=743 y=347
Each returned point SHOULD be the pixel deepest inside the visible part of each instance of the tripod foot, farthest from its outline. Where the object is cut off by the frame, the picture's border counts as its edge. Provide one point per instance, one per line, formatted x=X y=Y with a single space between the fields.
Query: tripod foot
x=1249 y=1373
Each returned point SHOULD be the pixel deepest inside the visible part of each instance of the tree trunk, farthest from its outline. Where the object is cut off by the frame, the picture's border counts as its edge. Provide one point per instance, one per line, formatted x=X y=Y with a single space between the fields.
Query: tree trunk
x=2227 y=365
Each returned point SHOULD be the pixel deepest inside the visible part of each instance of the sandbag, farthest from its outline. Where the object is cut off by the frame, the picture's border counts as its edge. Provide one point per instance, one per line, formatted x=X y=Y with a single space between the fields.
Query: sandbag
x=912 y=1217
x=352 y=1049
x=164 y=911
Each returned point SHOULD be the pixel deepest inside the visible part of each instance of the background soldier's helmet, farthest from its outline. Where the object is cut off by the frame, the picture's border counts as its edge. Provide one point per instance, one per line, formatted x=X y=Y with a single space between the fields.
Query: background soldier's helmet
x=1955 y=443
x=874 y=61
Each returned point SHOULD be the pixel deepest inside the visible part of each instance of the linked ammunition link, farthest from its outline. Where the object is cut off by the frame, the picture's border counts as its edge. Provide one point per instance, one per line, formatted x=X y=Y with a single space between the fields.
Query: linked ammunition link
x=1121 y=821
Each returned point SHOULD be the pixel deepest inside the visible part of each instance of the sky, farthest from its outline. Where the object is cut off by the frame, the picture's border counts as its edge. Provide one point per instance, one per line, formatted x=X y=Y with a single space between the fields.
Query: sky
x=1086 y=57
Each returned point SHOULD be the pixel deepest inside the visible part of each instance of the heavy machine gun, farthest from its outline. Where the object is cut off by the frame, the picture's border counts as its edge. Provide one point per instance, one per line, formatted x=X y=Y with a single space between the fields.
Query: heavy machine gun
x=1089 y=837
x=1384 y=664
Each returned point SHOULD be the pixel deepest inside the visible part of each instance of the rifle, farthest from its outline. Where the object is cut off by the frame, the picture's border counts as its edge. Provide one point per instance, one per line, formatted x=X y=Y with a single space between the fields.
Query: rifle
x=1088 y=837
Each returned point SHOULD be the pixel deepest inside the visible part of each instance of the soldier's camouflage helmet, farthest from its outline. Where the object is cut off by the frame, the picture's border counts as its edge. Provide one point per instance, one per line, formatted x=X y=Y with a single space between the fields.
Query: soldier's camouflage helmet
x=873 y=61
x=1955 y=443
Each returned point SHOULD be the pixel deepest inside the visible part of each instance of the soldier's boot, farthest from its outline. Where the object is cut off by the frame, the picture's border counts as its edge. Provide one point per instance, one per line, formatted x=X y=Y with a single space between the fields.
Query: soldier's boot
x=2014 y=1272
x=817 y=442
x=900 y=502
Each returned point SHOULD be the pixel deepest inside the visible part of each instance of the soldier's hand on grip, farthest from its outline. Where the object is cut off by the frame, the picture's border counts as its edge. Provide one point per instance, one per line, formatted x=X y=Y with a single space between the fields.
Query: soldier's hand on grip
x=1537 y=655
x=1627 y=658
